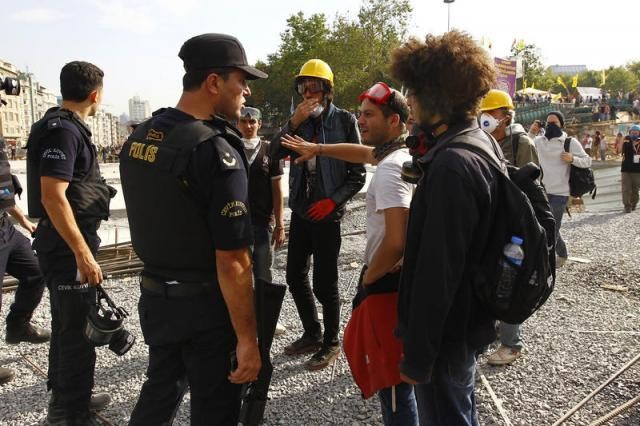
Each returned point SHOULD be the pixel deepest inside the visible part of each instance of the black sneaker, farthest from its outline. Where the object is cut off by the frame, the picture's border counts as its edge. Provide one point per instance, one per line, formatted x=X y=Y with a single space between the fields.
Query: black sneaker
x=304 y=345
x=323 y=358
x=26 y=332
x=6 y=375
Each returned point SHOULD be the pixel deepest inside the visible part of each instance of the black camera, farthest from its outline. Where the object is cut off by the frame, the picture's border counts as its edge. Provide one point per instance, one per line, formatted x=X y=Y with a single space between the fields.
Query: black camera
x=10 y=85
x=104 y=324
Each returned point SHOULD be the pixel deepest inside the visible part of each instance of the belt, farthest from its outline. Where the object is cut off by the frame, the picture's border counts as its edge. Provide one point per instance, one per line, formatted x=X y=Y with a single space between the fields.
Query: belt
x=179 y=289
x=84 y=224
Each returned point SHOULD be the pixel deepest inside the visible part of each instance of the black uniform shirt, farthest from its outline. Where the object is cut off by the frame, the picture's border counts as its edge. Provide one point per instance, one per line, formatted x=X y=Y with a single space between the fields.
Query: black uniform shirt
x=64 y=154
x=217 y=173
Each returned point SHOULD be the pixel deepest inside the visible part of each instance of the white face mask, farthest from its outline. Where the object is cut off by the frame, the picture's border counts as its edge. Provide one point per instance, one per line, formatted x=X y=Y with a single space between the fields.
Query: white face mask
x=488 y=123
x=317 y=111
x=251 y=143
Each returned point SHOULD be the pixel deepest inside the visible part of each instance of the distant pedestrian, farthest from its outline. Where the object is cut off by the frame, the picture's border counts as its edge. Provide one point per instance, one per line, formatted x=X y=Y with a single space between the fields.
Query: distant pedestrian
x=631 y=169
x=556 y=164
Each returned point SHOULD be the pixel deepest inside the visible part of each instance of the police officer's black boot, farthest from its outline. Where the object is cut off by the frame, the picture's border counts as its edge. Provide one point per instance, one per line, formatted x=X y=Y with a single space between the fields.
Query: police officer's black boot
x=23 y=331
x=56 y=414
x=6 y=375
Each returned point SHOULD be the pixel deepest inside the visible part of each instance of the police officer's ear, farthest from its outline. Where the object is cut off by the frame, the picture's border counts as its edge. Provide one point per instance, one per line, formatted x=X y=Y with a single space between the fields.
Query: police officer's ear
x=95 y=96
x=259 y=124
x=213 y=83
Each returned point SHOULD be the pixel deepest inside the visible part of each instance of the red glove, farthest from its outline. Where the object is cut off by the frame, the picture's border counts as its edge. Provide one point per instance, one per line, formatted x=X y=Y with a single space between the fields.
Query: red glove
x=321 y=209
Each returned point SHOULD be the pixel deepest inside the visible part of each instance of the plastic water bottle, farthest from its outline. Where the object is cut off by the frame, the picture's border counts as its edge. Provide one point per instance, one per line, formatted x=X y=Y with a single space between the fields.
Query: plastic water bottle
x=513 y=251
x=514 y=255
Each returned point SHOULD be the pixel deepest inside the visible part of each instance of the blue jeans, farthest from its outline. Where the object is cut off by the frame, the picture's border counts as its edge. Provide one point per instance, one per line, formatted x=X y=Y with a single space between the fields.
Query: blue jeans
x=448 y=399
x=558 y=205
x=406 y=413
x=510 y=335
x=262 y=252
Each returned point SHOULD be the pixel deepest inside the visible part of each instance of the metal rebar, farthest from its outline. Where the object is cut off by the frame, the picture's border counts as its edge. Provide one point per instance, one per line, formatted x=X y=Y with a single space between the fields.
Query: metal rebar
x=596 y=391
x=616 y=412
x=494 y=397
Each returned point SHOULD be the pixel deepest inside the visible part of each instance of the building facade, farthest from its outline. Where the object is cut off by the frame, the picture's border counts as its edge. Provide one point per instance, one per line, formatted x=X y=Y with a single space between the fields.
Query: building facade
x=139 y=109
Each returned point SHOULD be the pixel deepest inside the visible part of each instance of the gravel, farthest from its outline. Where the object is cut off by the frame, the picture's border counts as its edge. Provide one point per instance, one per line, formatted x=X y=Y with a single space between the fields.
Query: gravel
x=581 y=337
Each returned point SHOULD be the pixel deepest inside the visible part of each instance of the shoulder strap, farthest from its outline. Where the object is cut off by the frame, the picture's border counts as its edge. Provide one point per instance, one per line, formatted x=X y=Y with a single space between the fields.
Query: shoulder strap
x=492 y=154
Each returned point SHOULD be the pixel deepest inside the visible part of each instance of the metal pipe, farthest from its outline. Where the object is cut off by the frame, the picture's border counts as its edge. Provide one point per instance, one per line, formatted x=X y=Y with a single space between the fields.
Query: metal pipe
x=592 y=394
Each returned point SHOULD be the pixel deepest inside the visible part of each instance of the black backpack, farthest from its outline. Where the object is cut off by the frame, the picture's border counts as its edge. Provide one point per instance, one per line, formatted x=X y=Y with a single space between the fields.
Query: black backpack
x=523 y=210
x=581 y=181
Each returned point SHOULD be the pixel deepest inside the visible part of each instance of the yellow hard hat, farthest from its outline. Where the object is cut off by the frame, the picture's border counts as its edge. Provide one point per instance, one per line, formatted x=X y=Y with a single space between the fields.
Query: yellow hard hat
x=316 y=68
x=496 y=99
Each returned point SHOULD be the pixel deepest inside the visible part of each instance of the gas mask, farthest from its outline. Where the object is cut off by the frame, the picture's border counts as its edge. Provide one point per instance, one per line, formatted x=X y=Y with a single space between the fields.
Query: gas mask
x=104 y=324
x=419 y=142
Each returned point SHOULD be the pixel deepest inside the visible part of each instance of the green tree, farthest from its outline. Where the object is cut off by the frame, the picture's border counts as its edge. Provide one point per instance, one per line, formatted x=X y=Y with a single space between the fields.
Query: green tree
x=634 y=67
x=620 y=79
x=533 y=68
x=358 y=52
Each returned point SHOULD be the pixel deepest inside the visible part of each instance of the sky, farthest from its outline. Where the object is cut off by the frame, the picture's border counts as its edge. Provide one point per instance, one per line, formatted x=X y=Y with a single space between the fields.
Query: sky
x=136 y=42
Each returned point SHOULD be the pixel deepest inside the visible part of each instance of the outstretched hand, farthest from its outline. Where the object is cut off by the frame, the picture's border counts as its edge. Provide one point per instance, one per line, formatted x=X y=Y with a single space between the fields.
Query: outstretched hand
x=305 y=150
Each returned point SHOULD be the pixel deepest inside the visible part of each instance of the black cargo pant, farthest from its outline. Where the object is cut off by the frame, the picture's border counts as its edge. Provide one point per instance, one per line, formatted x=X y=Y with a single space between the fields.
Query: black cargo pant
x=72 y=358
x=322 y=240
x=190 y=342
x=18 y=260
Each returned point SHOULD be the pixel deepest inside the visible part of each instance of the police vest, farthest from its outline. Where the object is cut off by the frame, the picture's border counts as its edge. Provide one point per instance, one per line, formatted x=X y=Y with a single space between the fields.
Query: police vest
x=88 y=195
x=7 y=190
x=167 y=221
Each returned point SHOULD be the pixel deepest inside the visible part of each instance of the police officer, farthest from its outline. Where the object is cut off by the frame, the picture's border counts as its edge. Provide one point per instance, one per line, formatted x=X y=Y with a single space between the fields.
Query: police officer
x=17 y=258
x=184 y=179
x=66 y=191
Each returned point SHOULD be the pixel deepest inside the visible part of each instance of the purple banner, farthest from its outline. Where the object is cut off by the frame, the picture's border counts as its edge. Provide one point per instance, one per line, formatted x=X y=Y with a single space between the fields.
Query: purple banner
x=506 y=75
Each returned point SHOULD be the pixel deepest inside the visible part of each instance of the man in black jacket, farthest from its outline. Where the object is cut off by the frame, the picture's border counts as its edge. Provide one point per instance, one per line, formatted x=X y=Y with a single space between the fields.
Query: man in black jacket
x=440 y=323
x=318 y=191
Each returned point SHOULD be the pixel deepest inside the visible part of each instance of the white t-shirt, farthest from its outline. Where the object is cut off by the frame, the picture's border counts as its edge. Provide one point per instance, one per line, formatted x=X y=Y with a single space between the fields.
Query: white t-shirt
x=386 y=190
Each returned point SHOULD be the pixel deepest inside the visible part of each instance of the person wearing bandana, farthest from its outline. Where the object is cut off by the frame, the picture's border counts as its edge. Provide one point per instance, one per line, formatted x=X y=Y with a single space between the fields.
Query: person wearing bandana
x=556 y=164
x=265 y=196
x=631 y=169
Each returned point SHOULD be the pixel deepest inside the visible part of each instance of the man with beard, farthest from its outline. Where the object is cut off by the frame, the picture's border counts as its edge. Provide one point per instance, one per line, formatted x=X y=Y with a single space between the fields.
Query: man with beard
x=382 y=121
x=184 y=179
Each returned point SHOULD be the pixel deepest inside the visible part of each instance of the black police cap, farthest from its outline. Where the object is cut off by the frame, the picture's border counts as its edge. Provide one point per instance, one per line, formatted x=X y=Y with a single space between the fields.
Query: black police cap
x=216 y=51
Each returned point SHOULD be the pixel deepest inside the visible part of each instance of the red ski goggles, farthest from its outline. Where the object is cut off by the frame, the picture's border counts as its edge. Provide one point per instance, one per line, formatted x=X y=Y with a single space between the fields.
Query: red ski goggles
x=379 y=94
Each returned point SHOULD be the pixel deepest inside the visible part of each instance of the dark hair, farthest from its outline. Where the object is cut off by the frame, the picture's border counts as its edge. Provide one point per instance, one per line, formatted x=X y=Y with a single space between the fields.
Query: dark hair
x=448 y=74
x=396 y=104
x=78 y=79
x=193 y=78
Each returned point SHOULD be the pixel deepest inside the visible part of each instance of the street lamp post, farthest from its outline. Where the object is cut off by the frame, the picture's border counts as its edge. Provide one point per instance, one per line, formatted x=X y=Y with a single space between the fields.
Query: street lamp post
x=448 y=2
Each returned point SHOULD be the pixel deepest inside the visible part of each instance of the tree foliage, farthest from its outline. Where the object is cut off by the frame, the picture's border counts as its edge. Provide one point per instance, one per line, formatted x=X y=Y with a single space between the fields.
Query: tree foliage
x=358 y=51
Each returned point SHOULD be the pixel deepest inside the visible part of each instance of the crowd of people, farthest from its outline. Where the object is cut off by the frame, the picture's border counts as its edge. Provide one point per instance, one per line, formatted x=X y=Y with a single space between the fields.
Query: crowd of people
x=218 y=188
